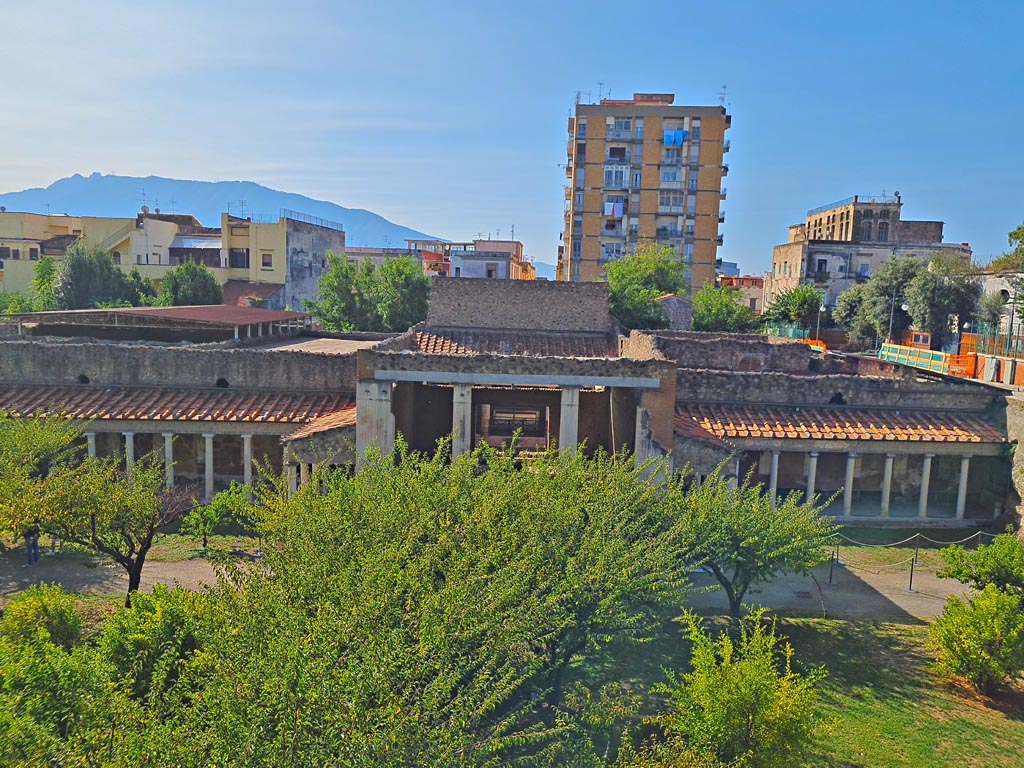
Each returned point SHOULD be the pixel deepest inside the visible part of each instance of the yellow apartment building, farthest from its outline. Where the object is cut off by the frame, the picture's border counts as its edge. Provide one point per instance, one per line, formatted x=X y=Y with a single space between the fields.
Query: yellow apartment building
x=643 y=169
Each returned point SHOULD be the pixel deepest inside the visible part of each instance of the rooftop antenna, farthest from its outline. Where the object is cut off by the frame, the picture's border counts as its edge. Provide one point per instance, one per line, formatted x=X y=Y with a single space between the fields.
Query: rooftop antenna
x=721 y=97
x=497 y=234
x=47 y=208
x=142 y=195
x=590 y=96
x=228 y=207
x=241 y=207
x=578 y=95
x=172 y=201
x=513 y=231
x=600 y=90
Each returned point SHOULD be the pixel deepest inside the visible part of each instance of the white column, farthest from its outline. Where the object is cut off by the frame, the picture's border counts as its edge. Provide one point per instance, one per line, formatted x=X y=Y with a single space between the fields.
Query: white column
x=568 y=425
x=168 y=458
x=961 y=494
x=208 y=439
x=812 y=472
x=303 y=473
x=375 y=423
x=247 y=459
x=851 y=461
x=129 y=448
x=926 y=474
x=462 y=419
x=90 y=443
x=773 y=476
x=887 y=484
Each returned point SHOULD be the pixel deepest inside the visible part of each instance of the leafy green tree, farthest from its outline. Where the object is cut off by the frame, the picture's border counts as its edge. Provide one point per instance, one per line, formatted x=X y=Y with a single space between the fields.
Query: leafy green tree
x=14 y=303
x=981 y=639
x=991 y=310
x=742 y=702
x=44 y=284
x=45 y=609
x=800 y=305
x=719 y=309
x=635 y=282
x=188 y=284
x=946 y=289
x=848 y=314
x=203 y=521
x=1012 y=260
x=357 y=296
x=88 y=278
x=885 y=294
x=737 y=534
x=1000 y=564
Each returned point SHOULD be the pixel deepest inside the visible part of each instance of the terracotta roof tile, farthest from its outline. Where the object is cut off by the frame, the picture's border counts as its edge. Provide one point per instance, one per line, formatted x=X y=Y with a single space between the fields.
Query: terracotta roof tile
x=787 y=422
x=166 y=404
x=343 y=418
x=456 y=341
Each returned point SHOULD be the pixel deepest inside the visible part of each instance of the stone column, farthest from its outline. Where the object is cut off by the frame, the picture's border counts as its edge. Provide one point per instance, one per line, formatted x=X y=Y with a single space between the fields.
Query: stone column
x=293 y=479
x=129 y=448
x=462 y=419
x=961 y=494
x=247 y=459
x=168 y=458
x=208 y=464
x=375 y=423
x=887 y=484
x=90 y=444
x=773 y=476
x=851 y=461
x=926 y=474
x=812 y=472
x=568 y=427
x=303 y=473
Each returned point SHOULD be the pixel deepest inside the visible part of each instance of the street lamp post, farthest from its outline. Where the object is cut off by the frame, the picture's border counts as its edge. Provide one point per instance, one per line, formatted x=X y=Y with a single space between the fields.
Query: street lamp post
x=817 y=329
x=892 y=310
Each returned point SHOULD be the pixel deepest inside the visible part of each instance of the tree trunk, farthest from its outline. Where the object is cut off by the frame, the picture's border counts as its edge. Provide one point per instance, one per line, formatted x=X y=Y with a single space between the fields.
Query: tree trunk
x=134 y=581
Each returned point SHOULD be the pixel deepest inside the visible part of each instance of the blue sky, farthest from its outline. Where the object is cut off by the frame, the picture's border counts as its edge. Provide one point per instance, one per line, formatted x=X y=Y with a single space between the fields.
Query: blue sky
x=450 y=117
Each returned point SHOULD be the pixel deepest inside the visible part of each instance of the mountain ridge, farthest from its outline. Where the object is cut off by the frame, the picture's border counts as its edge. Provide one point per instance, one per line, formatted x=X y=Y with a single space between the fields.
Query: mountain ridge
x=121 y=196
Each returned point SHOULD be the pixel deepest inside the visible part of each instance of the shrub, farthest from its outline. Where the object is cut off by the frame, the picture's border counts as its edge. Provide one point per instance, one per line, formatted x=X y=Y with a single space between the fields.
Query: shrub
x=44 y=608
x=981 y=639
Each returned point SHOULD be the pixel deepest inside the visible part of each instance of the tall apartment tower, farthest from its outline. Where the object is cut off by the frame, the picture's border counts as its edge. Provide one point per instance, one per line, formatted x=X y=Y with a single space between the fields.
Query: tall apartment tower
x=642 y=169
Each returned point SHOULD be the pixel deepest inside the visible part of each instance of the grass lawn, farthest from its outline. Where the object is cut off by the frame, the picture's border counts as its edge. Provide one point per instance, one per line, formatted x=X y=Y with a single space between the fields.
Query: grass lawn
x=173 y=547
x=888 y=708
x=873 y=552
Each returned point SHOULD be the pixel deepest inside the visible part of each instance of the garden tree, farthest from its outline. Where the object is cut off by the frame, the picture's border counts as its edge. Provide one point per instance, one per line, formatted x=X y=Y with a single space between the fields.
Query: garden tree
x=88 y=278
x=991 y=309
x=13 y=303
x=848 y=315
x=358 y=296
x=884 y=296
x=44 y=284
x=945 y=289
x=741 y=702
x=737 y=534
x=1012 y=260
x=982 y=638
x=800 y=305
x=636 y=280
x=1000 y=564
x=190 y=283
x=203 y=521
x=719 y=309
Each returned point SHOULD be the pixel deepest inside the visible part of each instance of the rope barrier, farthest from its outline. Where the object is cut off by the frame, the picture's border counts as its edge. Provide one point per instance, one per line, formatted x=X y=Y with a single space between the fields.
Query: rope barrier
x=918 y=536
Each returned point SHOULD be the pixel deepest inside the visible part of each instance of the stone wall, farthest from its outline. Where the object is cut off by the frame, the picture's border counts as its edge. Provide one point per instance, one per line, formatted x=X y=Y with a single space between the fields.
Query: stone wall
x=772 y=388
x=535 y=304
x=716 y=351
x=54 y=362
x=307 y=246
x=919 y=232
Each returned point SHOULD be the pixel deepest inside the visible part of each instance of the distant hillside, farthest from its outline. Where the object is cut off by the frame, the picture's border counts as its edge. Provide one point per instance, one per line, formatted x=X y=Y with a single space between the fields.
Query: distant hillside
x=99 y=195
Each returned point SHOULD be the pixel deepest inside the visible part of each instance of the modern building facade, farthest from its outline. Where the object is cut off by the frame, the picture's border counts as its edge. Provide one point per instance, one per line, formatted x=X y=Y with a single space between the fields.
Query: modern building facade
x=643 y=169
x=843 y=243
x=277 y=259
x=751 y=290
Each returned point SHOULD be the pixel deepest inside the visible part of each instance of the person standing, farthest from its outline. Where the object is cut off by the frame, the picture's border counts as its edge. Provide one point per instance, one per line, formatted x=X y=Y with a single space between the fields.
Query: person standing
x=32 y=544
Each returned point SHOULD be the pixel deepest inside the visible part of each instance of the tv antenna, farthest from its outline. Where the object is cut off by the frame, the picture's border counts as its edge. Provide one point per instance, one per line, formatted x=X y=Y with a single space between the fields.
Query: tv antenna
x=172 y=201
x=513 y=231
x=241 y=207
x=600 y=90
x=142 y=195
x=721 y=97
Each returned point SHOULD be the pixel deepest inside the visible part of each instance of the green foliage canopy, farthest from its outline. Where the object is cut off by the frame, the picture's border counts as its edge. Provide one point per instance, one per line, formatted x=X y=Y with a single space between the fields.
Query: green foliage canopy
x=801 y=305
x=635 y=282
x=89 y=278
x=190 y=283
x=359 y=296
x=719 y=309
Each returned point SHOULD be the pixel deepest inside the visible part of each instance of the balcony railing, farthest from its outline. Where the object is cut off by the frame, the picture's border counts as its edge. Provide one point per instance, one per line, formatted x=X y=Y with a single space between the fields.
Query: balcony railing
x=617 y=159
x=723 y=193
x=725 y=169
x=619 y=133
x=726 y=145
x=669 y=232
x=672 y=160
x=721 y=217
x=676 y=209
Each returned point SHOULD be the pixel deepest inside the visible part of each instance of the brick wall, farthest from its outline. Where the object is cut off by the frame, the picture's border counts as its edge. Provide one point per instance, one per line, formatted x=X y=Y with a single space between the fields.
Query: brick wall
x=727 y=352
x=54 y=362
x=920 y=231
x=535 y=304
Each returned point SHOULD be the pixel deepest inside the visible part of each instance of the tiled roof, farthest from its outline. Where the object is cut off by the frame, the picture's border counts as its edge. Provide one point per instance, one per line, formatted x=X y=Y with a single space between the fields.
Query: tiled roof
x=346 y=417
x=687 y=428
x=218 y=314
x=165 y=404
x=803 y=423
x=457 y=341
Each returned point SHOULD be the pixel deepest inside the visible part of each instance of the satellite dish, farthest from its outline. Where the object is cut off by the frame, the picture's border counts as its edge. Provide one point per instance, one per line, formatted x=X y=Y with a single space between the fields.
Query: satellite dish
x=145 y=209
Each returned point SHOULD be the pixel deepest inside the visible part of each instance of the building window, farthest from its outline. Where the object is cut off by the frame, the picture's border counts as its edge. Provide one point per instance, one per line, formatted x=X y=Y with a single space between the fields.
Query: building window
x=268 y=261
x=506 y=421
x=693 y=182
x=883 y=231
x=5 y=252
x=238 y=258
x=753 y=303
x=671 y=156
x=492 y=270
x=623 y=123
x=638 y=124
x=868 y=213
x=636 y=180
x=577 y=247
x=670 y=175
x=670 y=198
x=615 y=177
x=688 y=250
x=865 y=230
x=458 y=271
x=574 y=271
x=581 y=128
x=15 y=253
x=695 y=130
x=579 y=201
x=33 y=254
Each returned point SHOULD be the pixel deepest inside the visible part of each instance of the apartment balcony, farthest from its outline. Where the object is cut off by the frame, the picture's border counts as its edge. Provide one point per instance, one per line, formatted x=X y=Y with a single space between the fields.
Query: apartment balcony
x=669 y=233
x=619 y=134
x=616 y=232
x=672 y=161
x=568 y=170
x=670 y=185
x=725 y=169
x=726 y=145
x=721 y=217
x=720 y=240
x=722 y=195
x=671 y=209
x=617 y=159
x=818 y=275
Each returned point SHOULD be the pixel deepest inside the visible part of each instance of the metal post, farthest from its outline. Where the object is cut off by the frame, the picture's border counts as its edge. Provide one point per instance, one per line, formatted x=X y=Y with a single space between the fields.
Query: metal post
x=910 y=588
x=831 y=565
